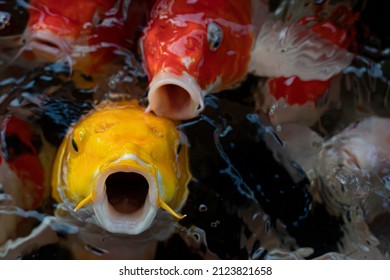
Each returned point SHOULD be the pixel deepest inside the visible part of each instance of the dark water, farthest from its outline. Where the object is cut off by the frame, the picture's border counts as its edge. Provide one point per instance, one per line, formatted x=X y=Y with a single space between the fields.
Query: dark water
x=249 y=199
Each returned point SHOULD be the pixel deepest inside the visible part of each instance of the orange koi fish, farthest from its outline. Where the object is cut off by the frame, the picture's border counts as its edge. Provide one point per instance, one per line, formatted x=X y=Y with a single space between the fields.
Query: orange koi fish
x=86 y=33
x=192 y=48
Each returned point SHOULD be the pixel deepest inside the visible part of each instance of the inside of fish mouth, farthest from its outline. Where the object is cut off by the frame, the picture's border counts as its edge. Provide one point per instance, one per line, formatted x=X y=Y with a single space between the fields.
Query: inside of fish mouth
x=47 y=43
x=126 y=191
x=174 y=97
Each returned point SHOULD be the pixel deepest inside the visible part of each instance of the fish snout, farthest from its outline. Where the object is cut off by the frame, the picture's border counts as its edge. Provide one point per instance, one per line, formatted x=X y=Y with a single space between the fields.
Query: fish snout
x=178 y=97
x=126 y=200
x=48 y=46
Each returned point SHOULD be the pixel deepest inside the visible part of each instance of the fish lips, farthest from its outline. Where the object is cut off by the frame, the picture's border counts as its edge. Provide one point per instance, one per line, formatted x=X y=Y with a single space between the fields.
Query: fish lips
x=126 y=195
x=48 y=46
x=177 y=97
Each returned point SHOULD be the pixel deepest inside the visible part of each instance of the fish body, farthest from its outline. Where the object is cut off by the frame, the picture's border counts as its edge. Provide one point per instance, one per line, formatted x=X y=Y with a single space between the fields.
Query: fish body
x=125 y=163
x=22 y=174
x=304 y=100
x=354 y=164
x=22 y=158
x=363 y=147
x=86 y=34
x=192 y=48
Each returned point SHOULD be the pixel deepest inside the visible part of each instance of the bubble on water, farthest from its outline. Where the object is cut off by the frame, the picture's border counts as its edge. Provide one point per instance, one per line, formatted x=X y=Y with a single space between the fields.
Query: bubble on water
x=215 y=224
x=196 y=237
x=203 y=208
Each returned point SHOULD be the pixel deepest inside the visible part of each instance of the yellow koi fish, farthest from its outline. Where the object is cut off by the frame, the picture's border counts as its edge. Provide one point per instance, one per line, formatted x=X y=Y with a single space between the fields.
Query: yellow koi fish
x=125 y=164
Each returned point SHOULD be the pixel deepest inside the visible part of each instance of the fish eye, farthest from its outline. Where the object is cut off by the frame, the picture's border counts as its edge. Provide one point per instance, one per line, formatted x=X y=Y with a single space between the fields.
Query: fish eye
x=214 y=36
x=74 y=145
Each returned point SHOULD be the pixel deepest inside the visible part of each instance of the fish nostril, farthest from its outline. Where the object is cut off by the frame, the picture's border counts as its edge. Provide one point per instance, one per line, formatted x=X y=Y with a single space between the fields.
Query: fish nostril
x=126 y=191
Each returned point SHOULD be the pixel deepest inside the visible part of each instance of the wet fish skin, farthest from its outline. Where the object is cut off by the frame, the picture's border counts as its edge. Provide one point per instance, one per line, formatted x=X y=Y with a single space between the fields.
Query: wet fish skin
x=87 y=35
x=137 y=164
x=190 y=49
x=32 y=126
x=294 y=99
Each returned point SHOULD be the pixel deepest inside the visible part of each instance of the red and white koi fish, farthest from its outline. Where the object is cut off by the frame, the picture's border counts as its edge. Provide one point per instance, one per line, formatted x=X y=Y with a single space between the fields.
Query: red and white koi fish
x=192 y=48
x=300 y=98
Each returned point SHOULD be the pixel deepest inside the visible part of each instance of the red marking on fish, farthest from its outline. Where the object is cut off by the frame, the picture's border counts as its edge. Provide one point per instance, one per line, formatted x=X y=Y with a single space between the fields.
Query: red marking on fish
x=296 y=91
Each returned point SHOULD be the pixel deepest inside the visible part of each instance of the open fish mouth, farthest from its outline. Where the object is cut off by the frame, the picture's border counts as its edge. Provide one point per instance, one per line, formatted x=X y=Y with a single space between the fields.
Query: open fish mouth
x=125 y=197
x=177 y=97
x=48 y=46
x=122 y=198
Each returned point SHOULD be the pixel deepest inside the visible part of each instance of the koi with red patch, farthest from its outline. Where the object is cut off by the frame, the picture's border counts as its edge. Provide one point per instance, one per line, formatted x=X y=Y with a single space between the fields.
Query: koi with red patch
x=87 y=34
x=295 y=92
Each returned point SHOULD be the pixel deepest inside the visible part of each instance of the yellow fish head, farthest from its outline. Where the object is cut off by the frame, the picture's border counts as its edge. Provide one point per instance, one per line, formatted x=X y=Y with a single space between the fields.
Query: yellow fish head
x=125 y=164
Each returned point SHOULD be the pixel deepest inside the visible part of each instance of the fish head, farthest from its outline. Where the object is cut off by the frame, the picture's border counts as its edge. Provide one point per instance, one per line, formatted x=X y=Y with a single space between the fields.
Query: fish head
x=190 y=49
x=65 y=30
x=293 y=99
x=126 y=164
